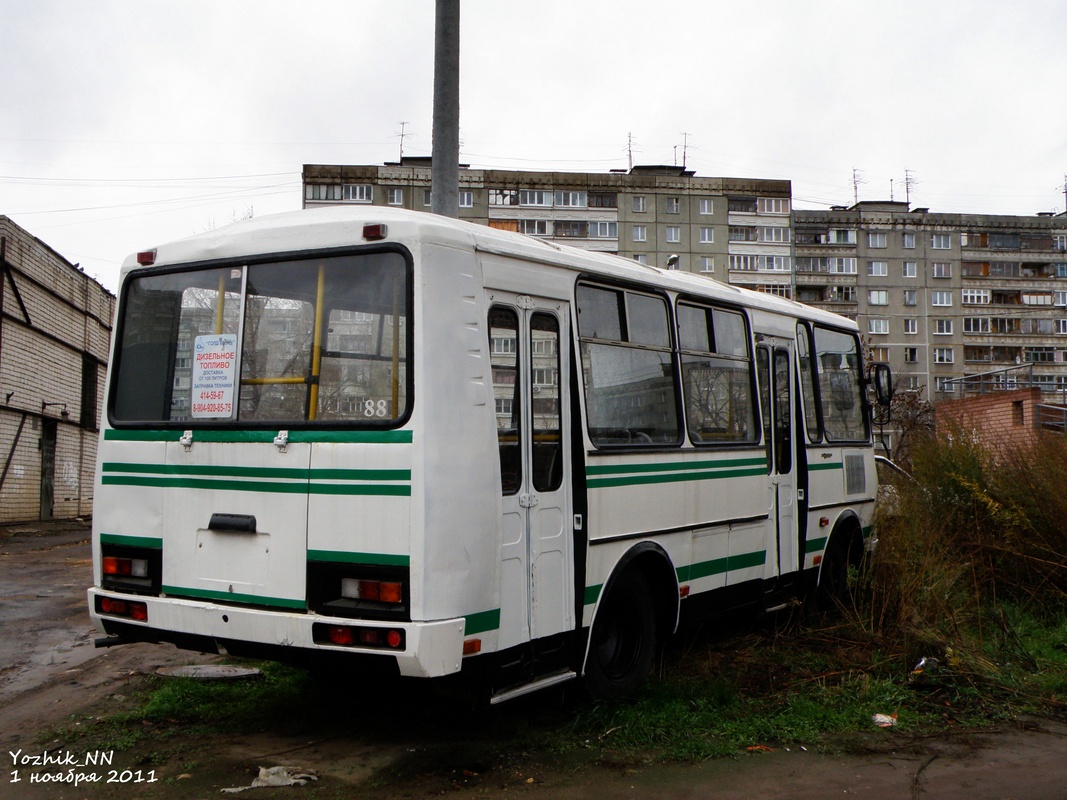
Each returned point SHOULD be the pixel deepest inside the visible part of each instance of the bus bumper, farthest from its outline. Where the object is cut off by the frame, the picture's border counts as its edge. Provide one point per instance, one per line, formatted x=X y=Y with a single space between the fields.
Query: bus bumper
x=429 y=649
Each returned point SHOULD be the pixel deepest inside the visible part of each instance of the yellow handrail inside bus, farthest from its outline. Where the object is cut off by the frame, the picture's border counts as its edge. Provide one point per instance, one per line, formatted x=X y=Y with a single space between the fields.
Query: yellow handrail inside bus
x=271 y=381
x=316 y=347
x=220 y=300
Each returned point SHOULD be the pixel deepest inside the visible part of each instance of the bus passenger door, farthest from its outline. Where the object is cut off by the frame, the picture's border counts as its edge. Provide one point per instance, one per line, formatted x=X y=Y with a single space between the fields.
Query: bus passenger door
x=529 y=350
x=773 y=360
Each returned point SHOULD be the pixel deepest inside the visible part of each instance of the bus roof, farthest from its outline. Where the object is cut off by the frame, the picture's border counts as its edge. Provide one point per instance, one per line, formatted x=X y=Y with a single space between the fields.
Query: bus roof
x=342 y=226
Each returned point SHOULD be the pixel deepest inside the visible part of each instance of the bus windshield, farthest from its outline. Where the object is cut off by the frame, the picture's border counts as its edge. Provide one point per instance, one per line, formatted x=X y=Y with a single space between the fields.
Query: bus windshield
x=314 y=340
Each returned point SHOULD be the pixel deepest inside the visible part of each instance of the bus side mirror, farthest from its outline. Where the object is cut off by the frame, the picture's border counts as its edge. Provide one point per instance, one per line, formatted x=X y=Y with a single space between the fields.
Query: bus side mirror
x=882 y=378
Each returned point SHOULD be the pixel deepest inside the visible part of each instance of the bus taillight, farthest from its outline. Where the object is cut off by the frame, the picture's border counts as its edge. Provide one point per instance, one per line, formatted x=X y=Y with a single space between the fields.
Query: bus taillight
x=378 y=591
x=352 y=636
x=135 y=567
x=122 y=608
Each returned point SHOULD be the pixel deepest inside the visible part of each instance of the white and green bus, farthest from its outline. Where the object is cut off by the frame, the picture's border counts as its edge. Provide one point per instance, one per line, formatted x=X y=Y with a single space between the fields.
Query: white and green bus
x=392 y=440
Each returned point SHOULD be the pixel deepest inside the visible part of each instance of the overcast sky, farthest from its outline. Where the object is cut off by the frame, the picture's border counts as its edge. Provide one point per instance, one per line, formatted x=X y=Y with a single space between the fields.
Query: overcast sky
x=124 y=124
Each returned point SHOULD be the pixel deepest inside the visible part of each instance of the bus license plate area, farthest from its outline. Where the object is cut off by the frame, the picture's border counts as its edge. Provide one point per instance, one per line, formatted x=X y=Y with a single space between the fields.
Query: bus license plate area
x=233 y=563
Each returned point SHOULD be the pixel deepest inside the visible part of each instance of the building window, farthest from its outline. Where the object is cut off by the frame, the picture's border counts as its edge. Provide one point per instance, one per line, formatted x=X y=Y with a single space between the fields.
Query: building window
x=879 y=353
x=427 y=198
x=534 y=227
x=940 y=298
x=877 y=326
x=773 y=235
x=911 y=355
x=673 y=206
x=878 y=269
x=603 y=230
x=603 y=200
x=908 y=240
x=910 y=269
x=941 y=269
x=941 y=241
x=742 y=233
x=532 y=197
x=466 y=199
x=1061 y=327
x=394 y=197
x=639 y=204
x=707 y=206
x=90 y=381
x=842 y=237
x=641 y=258
x=841 y=266
x=773 y=205
x=571 y=199
x=911 y=325
x=640 y=233
x=942 y=355
x=910 y=296
x=776 y=263
x=976 y=324
x=976 y=297
x=322 y=191
x=878 y=297
x=674 y=234
x=503 y=197
x=707 y=235
x=707 y=264
x=876 y=239
x=744 y=262
x=942 y=327
x=358 y=192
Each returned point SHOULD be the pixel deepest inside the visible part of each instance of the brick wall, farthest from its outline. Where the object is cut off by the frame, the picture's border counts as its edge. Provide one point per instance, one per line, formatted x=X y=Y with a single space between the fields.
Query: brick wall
x=55 y=329
x=1004 y=419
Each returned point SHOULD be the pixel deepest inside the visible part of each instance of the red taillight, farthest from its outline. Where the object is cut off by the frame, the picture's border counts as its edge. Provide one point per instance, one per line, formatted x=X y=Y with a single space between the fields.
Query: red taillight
x=369 y=590
x=376 y=591
x=123 y=608
x=394 y=639
x=374 y=233
x=146 y=258
x=139 y=611
x=116 y=566
x=111 y=606
x=339 y=634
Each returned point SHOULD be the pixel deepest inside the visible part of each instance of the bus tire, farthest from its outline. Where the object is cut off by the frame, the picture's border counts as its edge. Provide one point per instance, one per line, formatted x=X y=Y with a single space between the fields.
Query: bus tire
x=623 y=640
x=834 y=593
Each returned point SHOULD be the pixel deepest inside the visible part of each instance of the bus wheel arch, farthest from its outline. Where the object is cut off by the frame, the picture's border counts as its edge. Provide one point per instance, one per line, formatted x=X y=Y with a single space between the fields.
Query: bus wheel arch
x=637 y=608
x=844 y=551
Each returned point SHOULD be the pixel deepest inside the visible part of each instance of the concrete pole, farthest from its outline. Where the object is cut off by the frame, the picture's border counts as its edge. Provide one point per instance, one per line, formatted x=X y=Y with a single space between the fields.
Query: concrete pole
x=444 y=173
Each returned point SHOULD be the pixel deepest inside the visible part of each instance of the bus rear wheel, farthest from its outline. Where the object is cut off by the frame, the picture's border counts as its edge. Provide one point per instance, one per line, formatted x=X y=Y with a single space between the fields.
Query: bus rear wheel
x=623 y=639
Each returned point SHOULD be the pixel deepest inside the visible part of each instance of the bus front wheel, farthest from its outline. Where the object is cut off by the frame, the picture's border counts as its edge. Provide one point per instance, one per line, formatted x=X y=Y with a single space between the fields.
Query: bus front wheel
x=623 y=639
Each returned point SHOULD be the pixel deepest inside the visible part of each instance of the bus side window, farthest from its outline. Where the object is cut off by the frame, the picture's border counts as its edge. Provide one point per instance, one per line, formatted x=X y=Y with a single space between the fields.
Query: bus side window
x=507 y=397
x=544 y=369
x=627 y=368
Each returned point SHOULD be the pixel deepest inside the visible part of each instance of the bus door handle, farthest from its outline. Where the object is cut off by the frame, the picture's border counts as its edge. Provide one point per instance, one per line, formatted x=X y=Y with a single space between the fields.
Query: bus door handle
x=527 y=500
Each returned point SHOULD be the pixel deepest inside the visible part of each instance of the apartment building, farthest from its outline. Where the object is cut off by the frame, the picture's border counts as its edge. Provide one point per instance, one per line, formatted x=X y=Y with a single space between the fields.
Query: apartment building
x=55 y=332
x=733 y=229
x=943 y=297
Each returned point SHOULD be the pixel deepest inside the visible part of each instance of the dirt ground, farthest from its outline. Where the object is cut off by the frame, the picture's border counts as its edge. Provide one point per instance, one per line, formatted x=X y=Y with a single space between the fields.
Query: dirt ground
x=51 y=674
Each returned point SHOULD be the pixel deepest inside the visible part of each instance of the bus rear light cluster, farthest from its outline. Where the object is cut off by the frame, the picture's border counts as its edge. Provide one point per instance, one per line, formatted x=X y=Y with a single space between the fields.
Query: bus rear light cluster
x=378 y=591
x=123 y=608
x=353 y=636
x=134 y=567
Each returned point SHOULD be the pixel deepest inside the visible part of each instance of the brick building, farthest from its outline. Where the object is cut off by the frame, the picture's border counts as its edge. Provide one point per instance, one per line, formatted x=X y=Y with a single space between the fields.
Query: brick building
x=55 y=333
x=1001 y=420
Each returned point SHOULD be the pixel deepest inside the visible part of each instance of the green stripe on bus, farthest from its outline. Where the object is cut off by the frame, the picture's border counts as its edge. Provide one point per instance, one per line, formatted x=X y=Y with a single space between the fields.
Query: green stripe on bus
x=815 y=545
x=131 y=541
x=481 y=622
x=677 y=477
x=261 y=472
x=674 y=466
x=238 y=437
x=720 y=566
x=391 y=490
x=825 y=465
x=234 y=597
x=592 y=593
x=341 y=557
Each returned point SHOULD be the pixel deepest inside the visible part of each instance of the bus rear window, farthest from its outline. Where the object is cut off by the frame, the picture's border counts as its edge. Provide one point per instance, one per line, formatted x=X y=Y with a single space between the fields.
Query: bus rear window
x=311 y=340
